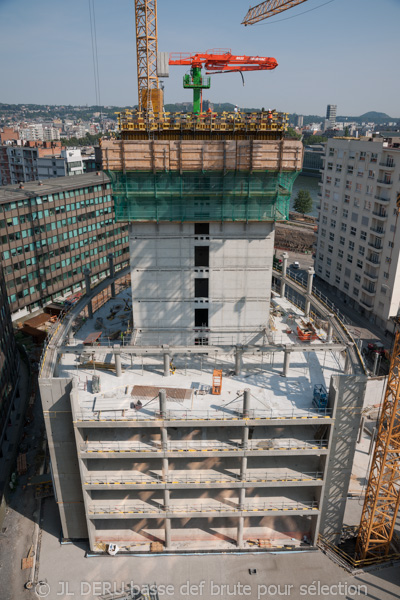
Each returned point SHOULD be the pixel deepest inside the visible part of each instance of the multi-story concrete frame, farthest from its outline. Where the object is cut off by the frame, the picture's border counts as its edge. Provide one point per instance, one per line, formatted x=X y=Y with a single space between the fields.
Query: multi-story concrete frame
x=133 y=464
x=51 y=231
x=358 y=248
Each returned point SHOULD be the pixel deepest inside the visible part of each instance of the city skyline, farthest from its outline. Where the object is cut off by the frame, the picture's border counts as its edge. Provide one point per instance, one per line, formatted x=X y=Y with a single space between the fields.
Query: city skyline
x=328 y=71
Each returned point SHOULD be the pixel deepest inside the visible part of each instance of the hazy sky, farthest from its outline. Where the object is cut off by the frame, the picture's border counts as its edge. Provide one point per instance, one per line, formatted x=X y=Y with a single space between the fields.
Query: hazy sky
x=344 y=53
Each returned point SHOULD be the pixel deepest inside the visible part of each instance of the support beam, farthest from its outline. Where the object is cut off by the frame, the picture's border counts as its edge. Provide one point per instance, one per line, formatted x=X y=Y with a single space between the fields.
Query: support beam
x=286 y=363
x=168 y=538
x=240 y=532
x=118 y=363
x=167 y=361
x=246 y=403
x=285 y=257
x=330 y=329
x=162 y=395
x=238 y=360
x=310 y=279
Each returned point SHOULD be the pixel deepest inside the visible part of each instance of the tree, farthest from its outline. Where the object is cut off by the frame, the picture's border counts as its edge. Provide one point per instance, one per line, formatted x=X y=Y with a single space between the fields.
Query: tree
x=346 y=132
x=303 y=202
x=292 y=134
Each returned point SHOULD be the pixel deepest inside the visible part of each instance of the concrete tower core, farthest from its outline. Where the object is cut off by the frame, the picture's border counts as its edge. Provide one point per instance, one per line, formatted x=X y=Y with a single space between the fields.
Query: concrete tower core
x=201 y=214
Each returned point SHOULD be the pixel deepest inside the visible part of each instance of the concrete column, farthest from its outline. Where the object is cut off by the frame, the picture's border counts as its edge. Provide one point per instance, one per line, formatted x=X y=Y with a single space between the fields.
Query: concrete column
x=243 y=468
x=238 y=360
x=168 y=540
x=242 y=497
x=118 y=363
x=330 y=329
x=240 y=532
x=245 y=438
x=310 y=278
x=166 y=499
x=86 y=272
x=246 y=403
x=286 y=363
x=112 y=273
x=71 y=334
x=165 y=468
x=375 y=367
x=166 y=364
x=361 y=430
x=285 y=257
x=347 y=363
x=162 y=395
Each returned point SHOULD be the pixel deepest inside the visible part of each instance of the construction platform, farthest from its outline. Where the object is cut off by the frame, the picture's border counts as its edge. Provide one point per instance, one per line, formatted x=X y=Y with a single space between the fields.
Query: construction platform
x=266 y=125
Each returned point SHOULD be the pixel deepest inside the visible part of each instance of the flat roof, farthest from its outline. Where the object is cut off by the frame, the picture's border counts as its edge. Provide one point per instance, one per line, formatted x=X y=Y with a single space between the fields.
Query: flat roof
x=50 y=186
x=261 y=372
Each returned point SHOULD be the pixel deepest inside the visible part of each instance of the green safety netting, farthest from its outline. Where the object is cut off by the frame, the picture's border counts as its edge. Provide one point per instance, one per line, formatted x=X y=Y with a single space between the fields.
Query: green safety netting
x=202 y=196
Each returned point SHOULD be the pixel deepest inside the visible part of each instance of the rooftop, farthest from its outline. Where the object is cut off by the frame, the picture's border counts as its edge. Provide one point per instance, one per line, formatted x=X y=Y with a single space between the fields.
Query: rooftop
x=50 y=186
x=134 y=395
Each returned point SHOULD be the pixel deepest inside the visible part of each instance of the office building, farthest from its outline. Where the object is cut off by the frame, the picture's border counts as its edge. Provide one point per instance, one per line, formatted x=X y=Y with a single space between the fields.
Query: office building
x=51 y=231
x=331 y=114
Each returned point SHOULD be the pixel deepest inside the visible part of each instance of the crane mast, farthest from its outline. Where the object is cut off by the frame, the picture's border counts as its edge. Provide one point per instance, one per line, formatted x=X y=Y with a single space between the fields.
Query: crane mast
x=382 y=498
x=149 y=92
x=264 y=10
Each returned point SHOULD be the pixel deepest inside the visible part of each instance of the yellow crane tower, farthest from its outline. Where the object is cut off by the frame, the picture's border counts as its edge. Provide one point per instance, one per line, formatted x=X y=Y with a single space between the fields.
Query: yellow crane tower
x=268 y=9
x=150 y=96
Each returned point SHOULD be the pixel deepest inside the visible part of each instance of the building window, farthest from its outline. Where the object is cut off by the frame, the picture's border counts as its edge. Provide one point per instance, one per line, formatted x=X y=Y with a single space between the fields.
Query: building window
x=357 y=277
x=346 y=199
x=356 y=291
x=334 y=210
x=323 y=232
x=324 y=220
x=201 y=256
x=328 y=179
x=338 y=266
x=326 y=206
x=330 y=166
x=201 y=317
x=202 y=229
x=361 y=250
x=383 y=289
x=390 y=244
x=351 y=245
x=353 y=230
x=333 y=223
x=348 y=184
x=330 y=249
x=363 y=235
x=342 y=240
x=343 y=227
x=329 y=262
x=340 y=253
x=374 y=157
x=363 y=155
x=349 y=258
x=358 y=187
x=371 y=175
x=328 y=274
x=327 y=194
x=337 y=182
x=201 y=288
x=337 y=279
x=332 y=237
x=367 y=205
x=338 y=168
x=345 y=213
x=350 y=169
x=321 y=256
x=385 y=275
x=346 y=285
x=359 y=264
x=319 y=269
x=322 y=244
x=331 y=151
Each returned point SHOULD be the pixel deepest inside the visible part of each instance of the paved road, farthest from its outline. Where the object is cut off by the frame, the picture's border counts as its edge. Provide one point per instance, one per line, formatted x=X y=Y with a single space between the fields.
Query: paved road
x=360 y=327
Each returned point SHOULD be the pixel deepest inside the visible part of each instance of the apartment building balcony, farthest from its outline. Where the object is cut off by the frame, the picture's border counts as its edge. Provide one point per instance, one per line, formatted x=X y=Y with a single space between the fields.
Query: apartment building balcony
x=369 y=289
x=371 y=276
x=319 y=195
x=372 y=260
x=366 y=303
x=379 y=213
x=382 y=199
x=376 y=246
x=389 y=164
x=377 y=230
x=387 y=182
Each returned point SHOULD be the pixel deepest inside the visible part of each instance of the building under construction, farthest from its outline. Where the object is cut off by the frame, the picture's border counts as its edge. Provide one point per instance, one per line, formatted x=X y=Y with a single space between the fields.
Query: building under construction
x=199 y=428
x=188 y=411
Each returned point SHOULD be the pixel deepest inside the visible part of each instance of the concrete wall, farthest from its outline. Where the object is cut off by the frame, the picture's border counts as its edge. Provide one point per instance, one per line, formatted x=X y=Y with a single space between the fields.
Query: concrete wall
x=346 y=397
x=55 y=396
x=163 y=281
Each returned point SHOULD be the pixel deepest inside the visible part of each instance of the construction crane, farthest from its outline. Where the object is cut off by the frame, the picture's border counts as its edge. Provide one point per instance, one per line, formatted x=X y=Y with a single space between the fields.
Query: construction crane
x=150 y=96
x=216 y=61
x=264 y=10
x=382 y=498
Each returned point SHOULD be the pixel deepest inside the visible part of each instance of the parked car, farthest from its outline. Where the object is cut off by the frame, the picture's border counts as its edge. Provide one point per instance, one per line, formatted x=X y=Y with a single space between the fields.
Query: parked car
x=296 y=265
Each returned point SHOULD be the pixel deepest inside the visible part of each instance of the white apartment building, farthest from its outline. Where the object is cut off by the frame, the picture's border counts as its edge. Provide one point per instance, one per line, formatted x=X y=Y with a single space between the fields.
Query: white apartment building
x=68 y=163
x=357 y=247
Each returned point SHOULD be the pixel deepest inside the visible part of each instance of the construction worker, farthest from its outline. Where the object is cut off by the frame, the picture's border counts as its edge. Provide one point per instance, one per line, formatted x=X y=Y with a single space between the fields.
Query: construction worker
x=172 y=368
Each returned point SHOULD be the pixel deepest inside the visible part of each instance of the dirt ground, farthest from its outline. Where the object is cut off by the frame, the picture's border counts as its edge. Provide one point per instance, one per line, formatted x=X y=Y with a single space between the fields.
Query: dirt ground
x=297 y=238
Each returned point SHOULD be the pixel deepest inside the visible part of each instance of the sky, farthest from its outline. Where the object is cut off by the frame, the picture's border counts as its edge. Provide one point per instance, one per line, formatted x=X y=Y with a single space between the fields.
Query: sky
x=345 y=52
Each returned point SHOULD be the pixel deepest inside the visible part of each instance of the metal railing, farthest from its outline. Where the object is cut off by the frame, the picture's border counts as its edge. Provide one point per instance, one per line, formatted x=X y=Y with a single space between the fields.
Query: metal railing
x=202 y=446
x=203 y=415
x=199 y=478
x=115 y=509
